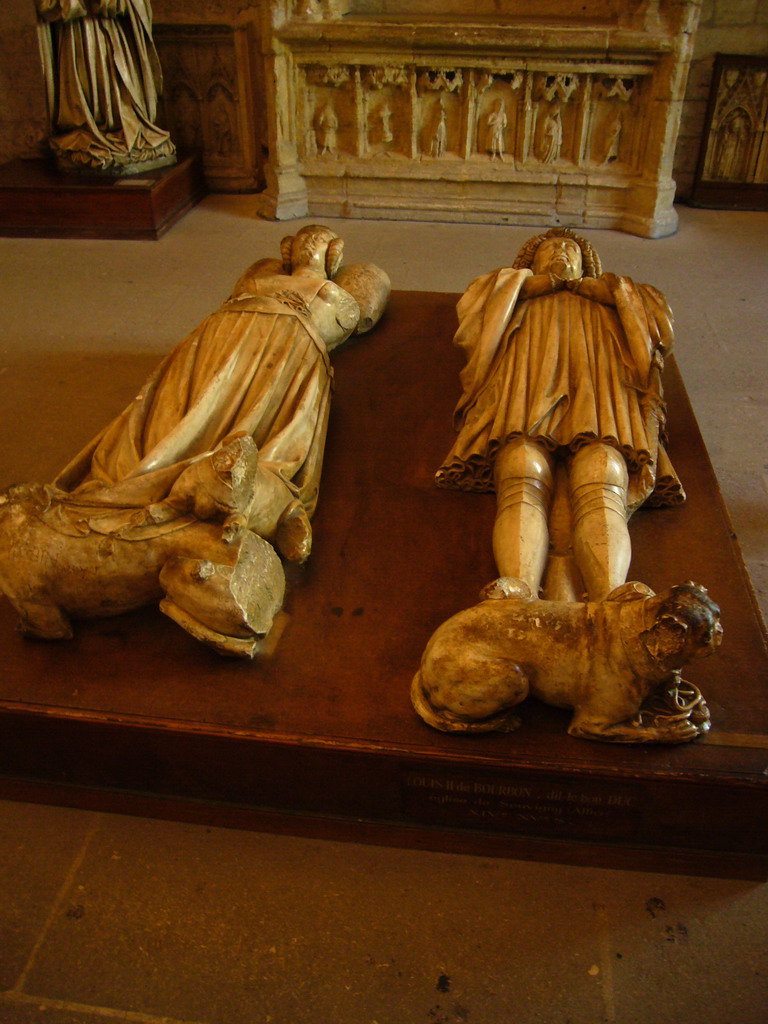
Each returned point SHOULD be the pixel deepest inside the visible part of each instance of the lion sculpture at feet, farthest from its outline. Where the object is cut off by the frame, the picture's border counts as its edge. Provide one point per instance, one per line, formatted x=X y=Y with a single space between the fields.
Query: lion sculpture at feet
x=616 y=663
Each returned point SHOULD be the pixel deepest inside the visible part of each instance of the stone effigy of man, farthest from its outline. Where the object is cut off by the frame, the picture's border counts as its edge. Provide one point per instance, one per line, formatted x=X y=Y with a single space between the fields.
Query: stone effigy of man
x=562 y=415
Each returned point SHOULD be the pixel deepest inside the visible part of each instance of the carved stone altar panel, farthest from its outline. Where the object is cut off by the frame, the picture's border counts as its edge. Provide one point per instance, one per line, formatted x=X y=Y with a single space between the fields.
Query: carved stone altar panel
x=530 y=119
x=387 y=104
x=498 y=120
x=208 y=101
x=733 y=163
x=570 y=116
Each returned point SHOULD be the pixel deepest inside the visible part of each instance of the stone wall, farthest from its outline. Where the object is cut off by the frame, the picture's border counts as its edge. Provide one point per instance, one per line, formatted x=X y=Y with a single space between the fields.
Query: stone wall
x=725 y=26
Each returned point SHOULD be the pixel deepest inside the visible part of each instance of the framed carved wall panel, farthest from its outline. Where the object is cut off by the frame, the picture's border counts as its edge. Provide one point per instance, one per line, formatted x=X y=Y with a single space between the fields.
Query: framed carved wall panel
x=208 y=100
x=384 y=113
x=732 y=172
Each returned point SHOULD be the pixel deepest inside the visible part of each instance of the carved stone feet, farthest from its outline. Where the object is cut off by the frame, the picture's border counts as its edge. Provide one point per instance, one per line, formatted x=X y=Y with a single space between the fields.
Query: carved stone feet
x=293 y=538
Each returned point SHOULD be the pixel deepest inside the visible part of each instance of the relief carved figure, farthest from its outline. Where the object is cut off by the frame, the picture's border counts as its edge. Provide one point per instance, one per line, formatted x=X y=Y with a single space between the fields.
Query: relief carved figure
x=612 y=139
x=733 y=137
x=551 y=137
x=387 y=135
x=327 y=124
x=103 y=79
x=439 y=131
x=211 y=472
x=562 y=416
x=221 y=127
x=497 y=129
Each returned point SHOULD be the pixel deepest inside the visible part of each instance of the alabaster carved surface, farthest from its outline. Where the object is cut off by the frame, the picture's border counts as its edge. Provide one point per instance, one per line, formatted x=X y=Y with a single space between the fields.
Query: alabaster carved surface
x=732 y=171
x=207 y=481
x=103 y=79
x=735 y=145
x=615 y=663
x=474 y=115
x=562 y=416
x=575 y=106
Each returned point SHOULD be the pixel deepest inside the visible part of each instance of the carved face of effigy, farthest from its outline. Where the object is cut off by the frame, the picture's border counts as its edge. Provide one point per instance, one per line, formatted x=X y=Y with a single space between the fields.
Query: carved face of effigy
x=560 y=257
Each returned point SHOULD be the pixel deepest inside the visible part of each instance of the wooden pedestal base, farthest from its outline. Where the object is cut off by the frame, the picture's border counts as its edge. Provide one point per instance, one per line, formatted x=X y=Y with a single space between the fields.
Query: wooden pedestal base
x=319 y=738
x=37 y=201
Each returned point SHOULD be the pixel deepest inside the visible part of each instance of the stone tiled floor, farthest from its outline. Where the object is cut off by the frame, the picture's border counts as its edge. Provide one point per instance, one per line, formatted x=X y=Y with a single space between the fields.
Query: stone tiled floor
x=107 y=918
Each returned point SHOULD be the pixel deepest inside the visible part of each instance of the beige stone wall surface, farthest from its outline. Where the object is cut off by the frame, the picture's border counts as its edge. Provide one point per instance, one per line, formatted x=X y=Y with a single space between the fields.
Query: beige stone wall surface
x=725 y=26
x=596 y=10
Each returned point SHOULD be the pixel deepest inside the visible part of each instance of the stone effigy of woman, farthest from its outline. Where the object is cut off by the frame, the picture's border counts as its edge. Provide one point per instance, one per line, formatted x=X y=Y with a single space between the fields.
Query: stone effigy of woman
x=198 y=489
x=103 y=79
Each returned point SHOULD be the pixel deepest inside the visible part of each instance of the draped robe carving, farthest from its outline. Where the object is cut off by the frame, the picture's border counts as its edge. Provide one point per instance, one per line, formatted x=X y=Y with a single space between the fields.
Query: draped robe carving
x=103 y=78
x=563 y=370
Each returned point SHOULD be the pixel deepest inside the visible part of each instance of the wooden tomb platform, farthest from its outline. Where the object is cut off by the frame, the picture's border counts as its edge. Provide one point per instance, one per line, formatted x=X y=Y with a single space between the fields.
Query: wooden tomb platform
x=320 y=738
x=37 y=201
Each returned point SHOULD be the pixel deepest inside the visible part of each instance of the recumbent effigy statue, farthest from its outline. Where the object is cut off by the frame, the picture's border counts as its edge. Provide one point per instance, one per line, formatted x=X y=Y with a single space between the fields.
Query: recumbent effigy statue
x=210 y=476
x=562 y=416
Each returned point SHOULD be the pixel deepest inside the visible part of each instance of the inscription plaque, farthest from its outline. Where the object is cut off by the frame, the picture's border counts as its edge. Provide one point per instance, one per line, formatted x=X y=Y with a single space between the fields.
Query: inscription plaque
x=534 y=807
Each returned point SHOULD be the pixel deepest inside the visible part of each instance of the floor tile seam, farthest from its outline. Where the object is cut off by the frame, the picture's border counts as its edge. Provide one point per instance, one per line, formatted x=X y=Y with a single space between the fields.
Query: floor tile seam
x=108 y=1012
x=606 y=963
x=61 y=895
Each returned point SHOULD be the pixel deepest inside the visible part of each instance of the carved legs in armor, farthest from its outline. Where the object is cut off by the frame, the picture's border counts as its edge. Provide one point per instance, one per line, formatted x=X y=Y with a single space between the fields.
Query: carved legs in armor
x=523 y=473
x=524 y=476
x=601 y=546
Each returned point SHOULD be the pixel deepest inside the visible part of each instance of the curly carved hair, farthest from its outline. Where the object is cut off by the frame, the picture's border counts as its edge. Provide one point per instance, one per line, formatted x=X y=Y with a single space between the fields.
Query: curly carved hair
x=590 y=261
x=309 y=239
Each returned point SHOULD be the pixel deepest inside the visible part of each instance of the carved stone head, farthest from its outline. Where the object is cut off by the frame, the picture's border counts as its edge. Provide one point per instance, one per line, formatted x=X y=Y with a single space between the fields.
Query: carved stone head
x=550 y=243
x=686 y=625
x=314 y=247
x=559 y=255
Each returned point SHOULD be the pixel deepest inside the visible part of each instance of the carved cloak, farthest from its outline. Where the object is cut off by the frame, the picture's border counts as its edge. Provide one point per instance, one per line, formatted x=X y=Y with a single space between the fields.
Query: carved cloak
x=563 y=370
x=103 y=78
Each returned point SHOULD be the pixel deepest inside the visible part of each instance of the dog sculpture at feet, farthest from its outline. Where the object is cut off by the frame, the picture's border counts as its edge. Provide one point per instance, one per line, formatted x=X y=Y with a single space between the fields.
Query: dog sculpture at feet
x=209 y=478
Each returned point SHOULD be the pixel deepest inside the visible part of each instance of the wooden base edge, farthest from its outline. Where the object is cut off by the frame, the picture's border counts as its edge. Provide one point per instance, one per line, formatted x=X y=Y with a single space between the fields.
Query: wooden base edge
x=700 y=863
